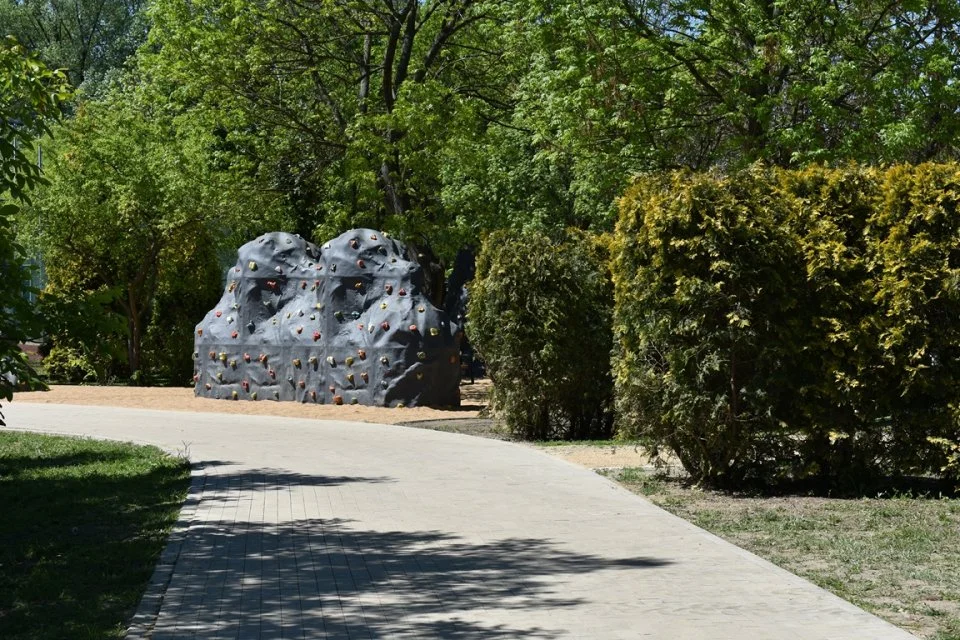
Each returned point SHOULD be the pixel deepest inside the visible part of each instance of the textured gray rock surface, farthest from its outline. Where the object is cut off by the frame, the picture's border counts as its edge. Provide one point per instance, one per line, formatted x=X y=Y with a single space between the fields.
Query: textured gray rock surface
x=346 y=323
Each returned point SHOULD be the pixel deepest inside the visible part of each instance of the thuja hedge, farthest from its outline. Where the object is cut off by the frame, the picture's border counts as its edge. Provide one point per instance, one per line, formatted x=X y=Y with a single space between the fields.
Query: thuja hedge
x=779 y=325
x=540 y=316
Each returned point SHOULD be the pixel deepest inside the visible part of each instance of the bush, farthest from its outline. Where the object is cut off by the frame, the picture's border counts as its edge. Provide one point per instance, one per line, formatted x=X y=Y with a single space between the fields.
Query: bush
x=540 y=317
x=782 y=325
x=708 y=288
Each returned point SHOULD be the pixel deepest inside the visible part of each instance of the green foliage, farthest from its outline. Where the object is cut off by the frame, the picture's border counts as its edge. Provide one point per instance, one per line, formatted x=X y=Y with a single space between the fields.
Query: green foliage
x=707 y=317
x=135 y=206
x=85 y=38
x=777 y=324
x=86 y=337
x=30 y=100
x=540 y=318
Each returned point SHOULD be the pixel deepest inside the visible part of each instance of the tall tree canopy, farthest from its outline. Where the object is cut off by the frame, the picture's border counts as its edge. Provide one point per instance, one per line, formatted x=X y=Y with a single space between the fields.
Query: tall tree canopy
x=88 y=38
x=351 y=108
x=30 y=100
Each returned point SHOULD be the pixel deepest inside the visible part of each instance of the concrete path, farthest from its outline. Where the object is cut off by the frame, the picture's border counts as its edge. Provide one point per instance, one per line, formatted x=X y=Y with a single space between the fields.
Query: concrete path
x=308 y=529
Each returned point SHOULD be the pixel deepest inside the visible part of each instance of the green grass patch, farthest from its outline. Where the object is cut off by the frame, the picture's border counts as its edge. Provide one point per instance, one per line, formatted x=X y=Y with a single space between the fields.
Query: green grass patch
x=587 y=443
x=897 y=556
x=83 y=524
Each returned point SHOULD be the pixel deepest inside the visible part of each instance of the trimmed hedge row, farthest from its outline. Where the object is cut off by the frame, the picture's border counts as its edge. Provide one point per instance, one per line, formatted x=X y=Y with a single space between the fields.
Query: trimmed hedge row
x=775 y=324
x=540 y=316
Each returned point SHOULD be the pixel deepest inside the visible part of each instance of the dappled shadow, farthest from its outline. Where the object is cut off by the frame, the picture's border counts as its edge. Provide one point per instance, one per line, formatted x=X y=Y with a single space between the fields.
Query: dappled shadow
x=922 y=487
x=320 y=578
x=268 y=479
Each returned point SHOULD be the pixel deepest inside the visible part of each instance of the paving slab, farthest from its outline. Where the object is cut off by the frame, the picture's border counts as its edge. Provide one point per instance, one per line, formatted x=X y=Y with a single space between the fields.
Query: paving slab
x=321 y=529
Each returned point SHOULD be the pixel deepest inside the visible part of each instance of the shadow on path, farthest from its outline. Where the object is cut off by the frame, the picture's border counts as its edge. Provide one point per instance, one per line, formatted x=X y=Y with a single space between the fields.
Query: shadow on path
x=324 y=578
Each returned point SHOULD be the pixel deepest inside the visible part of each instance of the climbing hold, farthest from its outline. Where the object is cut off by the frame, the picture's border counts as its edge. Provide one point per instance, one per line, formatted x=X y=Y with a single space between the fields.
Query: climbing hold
x=271 y=284
x=199 y=332
x=383 y=305
x=400 y=405
x=276 y=395
x=313 y=360
x=338 y=315
x=385 y=326
x=413 y=328
x=213 y=355
x=218 y=313
x=453 y=359
x=358 y=285
x=263 y=358
x=337 y=399
x=331 y=361
x=246 y=385
x=219 y=376
x=246 y=357
x=366 y=378
x=360 y=326
x=421 y=355
x=253 y=396
x=388 y=288
x=421 y=309
x=223 y=356
x=296 y=362
x=362 y=354
x=384 y=360
x=313 y=396
x=251 y=326
x=402 y=292
x=196 y=377
x=272 y=374
x=302 y=383
x=434 y=331
x=278 y=270
x=333 y=268
x=233 y=364
x=234 y=334
x=373 y=237
x=332 y=388
x=349 y=361
x=361 y=264
x=230 y=289
x=316 y=336
x=303 y=285
x=234 y=394
x=354 y=401
x=354 y=244
x=350 y=377
x=252 y=265
x=299 y=330
x=207 y=386
x=419 y=375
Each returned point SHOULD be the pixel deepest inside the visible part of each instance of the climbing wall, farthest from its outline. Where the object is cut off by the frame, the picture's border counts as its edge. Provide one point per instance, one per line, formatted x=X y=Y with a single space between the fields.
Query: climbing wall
x=342 y=324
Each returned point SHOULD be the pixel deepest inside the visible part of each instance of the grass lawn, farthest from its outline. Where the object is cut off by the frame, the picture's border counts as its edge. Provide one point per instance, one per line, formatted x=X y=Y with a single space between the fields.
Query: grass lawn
x=83 y=524
x=896 y=556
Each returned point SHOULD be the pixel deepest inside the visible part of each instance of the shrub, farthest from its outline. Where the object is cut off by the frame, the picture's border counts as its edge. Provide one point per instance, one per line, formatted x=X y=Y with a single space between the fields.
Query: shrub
x=540 y=316
x=777 y=324
x=708 y=288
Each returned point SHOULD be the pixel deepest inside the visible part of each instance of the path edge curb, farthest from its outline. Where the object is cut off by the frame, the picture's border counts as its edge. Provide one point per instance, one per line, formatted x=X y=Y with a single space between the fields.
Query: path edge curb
x=145 y=618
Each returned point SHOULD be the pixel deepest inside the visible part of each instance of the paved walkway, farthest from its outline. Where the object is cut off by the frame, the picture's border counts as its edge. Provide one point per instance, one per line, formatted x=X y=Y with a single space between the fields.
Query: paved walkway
x=308 y=529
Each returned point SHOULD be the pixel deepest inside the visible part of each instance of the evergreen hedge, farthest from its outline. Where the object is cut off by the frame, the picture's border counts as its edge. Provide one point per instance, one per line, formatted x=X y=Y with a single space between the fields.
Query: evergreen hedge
x=775 y=324
x=540 y=315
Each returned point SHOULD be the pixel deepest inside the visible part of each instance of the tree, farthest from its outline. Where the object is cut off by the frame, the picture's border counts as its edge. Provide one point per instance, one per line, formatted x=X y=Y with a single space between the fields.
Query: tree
x=134 y=205
x=30 y=99
x=350 y=108
x=88 y=38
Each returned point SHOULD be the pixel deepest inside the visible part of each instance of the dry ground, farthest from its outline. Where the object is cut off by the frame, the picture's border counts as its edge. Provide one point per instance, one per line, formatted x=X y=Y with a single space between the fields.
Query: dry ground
x=467 y=419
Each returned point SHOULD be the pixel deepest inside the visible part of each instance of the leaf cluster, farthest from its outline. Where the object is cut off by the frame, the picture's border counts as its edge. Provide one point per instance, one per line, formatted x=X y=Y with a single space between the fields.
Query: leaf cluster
x=539 y=315
x=780 y=324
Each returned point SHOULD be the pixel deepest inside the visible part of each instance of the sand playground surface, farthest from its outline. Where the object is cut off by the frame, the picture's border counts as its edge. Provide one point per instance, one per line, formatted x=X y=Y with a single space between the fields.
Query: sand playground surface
x=474 y=398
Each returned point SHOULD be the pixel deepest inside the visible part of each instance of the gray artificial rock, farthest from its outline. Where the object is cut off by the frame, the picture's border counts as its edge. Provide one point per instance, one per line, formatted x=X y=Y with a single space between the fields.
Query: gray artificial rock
x=345 y=324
